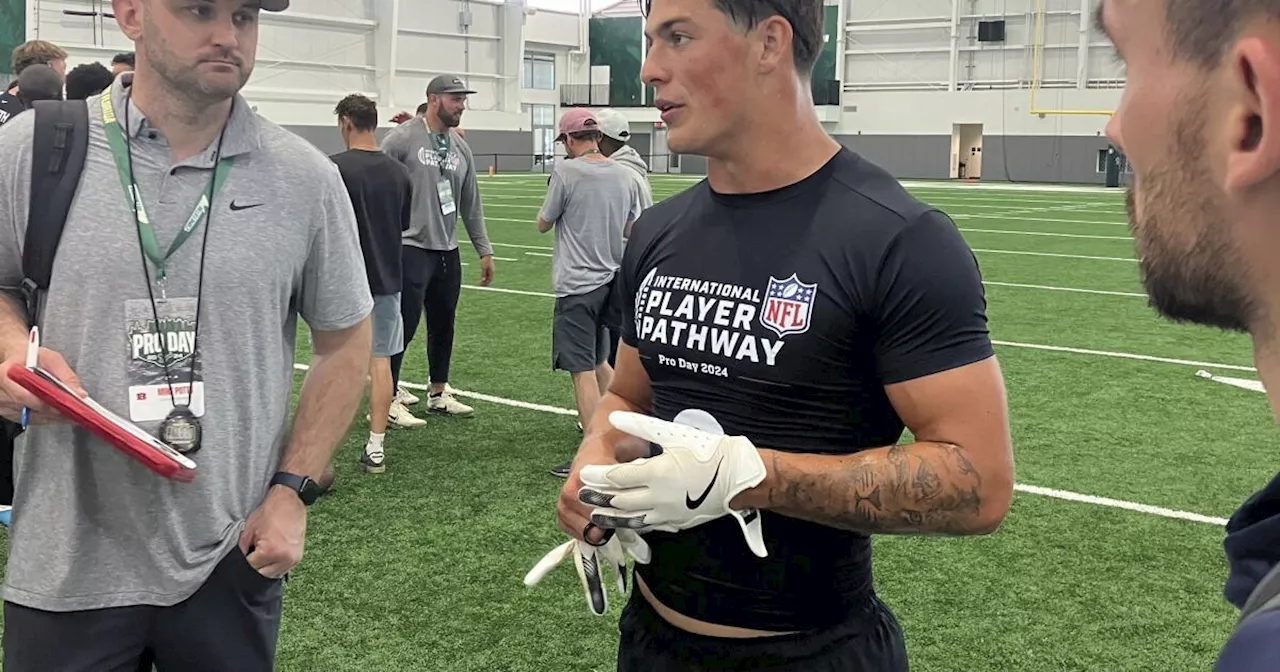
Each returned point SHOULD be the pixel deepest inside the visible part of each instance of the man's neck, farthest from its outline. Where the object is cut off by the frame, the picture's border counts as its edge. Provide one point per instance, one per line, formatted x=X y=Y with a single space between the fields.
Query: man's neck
x=367 y=142
x=1266 y=357
x=188 y=126
x=777 y=150
x=438 y=127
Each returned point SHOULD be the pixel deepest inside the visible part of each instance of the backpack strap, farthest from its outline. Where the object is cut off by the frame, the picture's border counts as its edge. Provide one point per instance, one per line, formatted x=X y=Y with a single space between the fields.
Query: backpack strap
x=1265 y=597
x=59 y=150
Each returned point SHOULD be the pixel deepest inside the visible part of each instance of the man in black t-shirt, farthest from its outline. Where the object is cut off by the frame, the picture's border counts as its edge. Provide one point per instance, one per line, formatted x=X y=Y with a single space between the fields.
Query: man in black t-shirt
x=382 y=195
x=787 y=319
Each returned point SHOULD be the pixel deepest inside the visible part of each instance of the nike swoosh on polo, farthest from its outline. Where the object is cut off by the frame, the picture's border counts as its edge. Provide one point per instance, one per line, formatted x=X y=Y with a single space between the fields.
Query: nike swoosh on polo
x=236 y=206
x=695 y=503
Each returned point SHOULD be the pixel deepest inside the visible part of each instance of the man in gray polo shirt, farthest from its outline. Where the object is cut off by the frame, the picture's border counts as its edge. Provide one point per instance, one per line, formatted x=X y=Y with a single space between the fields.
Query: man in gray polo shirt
x=591 y=203
x=111 y=567
x=444 y=186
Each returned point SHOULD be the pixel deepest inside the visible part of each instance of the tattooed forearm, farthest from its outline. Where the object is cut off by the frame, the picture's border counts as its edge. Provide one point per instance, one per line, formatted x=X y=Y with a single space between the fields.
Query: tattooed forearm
x=923 y=487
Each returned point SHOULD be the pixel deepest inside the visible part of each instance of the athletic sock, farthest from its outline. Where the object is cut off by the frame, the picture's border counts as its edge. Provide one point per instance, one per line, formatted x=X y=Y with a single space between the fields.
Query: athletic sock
x=374 y=445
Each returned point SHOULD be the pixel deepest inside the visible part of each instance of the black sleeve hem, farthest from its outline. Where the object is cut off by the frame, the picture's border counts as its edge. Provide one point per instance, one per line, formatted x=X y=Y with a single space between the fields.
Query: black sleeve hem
x=952 y=358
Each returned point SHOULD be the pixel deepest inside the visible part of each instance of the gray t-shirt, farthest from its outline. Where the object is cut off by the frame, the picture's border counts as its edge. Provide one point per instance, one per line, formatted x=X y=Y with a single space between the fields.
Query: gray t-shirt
x=91 y=527
x=589 y=203
x=438 y=201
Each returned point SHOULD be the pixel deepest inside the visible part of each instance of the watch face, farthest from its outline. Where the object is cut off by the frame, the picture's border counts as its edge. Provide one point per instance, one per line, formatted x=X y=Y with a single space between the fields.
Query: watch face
x=310 y=491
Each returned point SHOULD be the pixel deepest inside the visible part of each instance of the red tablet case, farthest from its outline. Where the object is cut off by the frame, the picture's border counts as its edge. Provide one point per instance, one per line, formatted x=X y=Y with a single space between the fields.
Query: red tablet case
x=127 y=437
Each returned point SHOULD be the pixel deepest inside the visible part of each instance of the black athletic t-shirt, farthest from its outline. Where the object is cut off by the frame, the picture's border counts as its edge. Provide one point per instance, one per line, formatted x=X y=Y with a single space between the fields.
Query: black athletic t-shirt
x=10 y=107
x=783 y=315
x=382 y=195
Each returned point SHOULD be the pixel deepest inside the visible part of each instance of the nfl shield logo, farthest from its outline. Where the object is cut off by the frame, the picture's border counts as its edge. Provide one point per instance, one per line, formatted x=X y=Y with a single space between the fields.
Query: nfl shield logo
x=788 y=305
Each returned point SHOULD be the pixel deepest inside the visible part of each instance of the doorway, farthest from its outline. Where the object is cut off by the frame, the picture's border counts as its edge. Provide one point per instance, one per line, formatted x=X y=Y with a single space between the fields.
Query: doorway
x=659 y=159
x=966 y=151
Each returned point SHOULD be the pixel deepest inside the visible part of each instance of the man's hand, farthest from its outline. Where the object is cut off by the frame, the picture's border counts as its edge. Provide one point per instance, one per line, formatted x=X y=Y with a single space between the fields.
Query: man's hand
x=14 y=397
x=590 y=561
x=572 y=515
x=691 y=482
x=401 y=118
x=276 y=533
x=486 y=271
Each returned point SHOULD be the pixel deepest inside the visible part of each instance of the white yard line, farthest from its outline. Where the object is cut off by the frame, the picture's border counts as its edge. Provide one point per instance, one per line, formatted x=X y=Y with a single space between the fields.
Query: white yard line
x=1050 y=234
x=1064 y=289
x=1020 y=487
x=1052 y=254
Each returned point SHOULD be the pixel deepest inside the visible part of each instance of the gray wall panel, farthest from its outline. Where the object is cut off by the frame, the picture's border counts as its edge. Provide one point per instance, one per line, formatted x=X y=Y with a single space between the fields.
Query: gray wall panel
x=921 y=157
x=1017 y=158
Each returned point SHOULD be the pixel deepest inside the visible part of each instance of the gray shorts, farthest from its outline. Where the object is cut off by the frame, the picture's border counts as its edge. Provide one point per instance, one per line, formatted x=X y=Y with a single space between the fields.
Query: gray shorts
x=388 y=326
x=580 y=331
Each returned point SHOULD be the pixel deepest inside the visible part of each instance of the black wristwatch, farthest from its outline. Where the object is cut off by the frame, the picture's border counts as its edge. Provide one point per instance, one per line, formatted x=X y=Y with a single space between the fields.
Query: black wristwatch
x=308 y=490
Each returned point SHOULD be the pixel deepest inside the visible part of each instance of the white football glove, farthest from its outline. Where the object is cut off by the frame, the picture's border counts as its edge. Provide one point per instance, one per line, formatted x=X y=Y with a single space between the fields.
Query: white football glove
x=691 y=482
x=589 y=560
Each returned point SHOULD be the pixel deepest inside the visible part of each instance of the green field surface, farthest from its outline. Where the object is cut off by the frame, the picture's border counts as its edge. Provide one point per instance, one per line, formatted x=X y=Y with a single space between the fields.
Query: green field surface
x=1115 y=436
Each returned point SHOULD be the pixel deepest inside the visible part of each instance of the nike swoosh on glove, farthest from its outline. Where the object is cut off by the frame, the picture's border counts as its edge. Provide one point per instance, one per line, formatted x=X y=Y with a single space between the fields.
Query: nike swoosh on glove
x=691 y=482
x=590 y=561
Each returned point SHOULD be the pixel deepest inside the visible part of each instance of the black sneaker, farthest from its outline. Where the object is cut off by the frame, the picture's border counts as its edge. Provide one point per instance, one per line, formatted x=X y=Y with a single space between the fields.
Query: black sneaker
x=562 y=470
x=373 y=464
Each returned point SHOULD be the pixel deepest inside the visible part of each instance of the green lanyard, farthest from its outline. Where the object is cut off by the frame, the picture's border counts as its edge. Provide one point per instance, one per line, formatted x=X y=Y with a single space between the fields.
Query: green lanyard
x=443 y=143
x=120 y=151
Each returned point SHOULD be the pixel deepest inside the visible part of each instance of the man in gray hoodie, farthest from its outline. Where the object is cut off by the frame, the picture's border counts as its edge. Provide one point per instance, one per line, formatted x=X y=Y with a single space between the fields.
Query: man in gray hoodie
x=442 y=169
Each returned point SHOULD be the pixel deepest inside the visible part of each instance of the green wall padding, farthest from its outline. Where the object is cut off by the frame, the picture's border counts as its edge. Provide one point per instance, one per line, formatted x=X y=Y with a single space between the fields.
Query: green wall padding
x=617 y=43
x=13 y=31
x=825 y=67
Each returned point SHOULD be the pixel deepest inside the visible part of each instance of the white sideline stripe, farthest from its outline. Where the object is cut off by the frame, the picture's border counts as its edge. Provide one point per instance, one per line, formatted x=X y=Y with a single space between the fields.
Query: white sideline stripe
x=1119 y=504
x=1031 y=489
x=1041 y=233
x=1058 y=255
x=1050 y=254
x=538 y=254
x=1064 y=289
x=506 y=259
x=1008 y=344
x=1124 y=355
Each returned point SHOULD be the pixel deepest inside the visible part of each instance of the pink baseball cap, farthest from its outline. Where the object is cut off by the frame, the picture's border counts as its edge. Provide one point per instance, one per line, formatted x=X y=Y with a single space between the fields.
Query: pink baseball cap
x=577 y=120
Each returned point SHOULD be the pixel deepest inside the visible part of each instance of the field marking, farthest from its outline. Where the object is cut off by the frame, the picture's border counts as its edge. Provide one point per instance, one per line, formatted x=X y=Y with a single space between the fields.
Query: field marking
x=1040 y=233
x=1051 y=254
x=1124 y=355
x=539 y=254
x=1103 y=292
x=1008 y=344
x=1020 y=487
x=1018 y=215
x=523 y=247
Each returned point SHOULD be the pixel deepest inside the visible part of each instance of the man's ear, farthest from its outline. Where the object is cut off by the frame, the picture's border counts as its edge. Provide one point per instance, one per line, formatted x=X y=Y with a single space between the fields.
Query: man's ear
x=775 y=37
x=128 y=17
x=1253 y=118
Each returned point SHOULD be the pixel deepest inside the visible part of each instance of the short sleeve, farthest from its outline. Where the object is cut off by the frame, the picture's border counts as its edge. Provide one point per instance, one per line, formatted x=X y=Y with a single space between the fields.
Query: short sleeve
x=16 y=138
x=930 y=307
x=335 y=290
x=553 y=204
x=637 y=202
x=629 y=280
x=395 y=144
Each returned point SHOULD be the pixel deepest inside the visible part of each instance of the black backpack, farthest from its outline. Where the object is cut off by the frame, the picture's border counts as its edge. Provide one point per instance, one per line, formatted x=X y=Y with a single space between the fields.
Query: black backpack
x=58 y=153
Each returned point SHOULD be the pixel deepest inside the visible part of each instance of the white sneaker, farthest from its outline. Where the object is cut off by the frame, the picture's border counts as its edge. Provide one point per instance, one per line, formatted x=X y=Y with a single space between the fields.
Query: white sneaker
x=405 y=397
x=401 y=417
x=445 y=404
x=373 y=461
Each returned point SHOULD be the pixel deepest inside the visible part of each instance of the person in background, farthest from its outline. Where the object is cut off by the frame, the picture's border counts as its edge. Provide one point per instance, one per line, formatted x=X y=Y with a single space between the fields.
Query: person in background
x=25 y=55
x=122 y=62
x=616 y=133
x=444 y=188
x=1203 y=80
x=382 y=196
x=88 y=79
x=39 y=82
x=591 y=204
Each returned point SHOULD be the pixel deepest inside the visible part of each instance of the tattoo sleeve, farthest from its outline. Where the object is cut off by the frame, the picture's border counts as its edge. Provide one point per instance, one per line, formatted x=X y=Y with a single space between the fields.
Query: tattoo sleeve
x=925 y=487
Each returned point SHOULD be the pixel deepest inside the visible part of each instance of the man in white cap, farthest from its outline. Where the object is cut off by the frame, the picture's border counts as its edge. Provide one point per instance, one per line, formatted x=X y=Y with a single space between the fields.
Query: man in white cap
x=591 y=203
x=617 y=133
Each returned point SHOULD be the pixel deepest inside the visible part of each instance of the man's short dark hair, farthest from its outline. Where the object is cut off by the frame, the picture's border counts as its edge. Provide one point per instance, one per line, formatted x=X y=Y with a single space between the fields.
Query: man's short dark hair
x=422 y=109
x=87 y=79
x=1201 y=30
x=39 y=82
x=805 y=17
x=123 y=58
x=359 y=110
x=582 y=136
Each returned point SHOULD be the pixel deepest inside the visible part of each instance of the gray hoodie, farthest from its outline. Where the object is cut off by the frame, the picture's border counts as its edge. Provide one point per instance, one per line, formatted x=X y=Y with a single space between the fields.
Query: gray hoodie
x=630 y=158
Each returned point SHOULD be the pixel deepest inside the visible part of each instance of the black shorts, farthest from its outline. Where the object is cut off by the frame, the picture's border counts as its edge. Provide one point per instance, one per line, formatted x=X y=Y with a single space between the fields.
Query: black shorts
x=580 y=330
x=231 y=623
x=871 y=643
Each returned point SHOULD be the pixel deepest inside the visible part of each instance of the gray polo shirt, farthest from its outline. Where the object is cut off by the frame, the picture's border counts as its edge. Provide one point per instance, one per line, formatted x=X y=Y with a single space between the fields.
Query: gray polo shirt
x=444 y=186
x=590 y=203
x=91 y=527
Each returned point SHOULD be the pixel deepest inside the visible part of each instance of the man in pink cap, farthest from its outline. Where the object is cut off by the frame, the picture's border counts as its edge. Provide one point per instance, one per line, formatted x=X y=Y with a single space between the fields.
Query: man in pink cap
x=591 y=203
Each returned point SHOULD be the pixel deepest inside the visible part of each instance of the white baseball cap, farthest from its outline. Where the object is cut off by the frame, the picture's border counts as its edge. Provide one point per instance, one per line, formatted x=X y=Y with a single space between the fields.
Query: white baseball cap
x=614 y=124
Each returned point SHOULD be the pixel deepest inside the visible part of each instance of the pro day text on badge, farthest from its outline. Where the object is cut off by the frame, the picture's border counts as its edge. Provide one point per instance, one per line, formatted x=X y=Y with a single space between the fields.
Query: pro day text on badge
x=149 y=396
